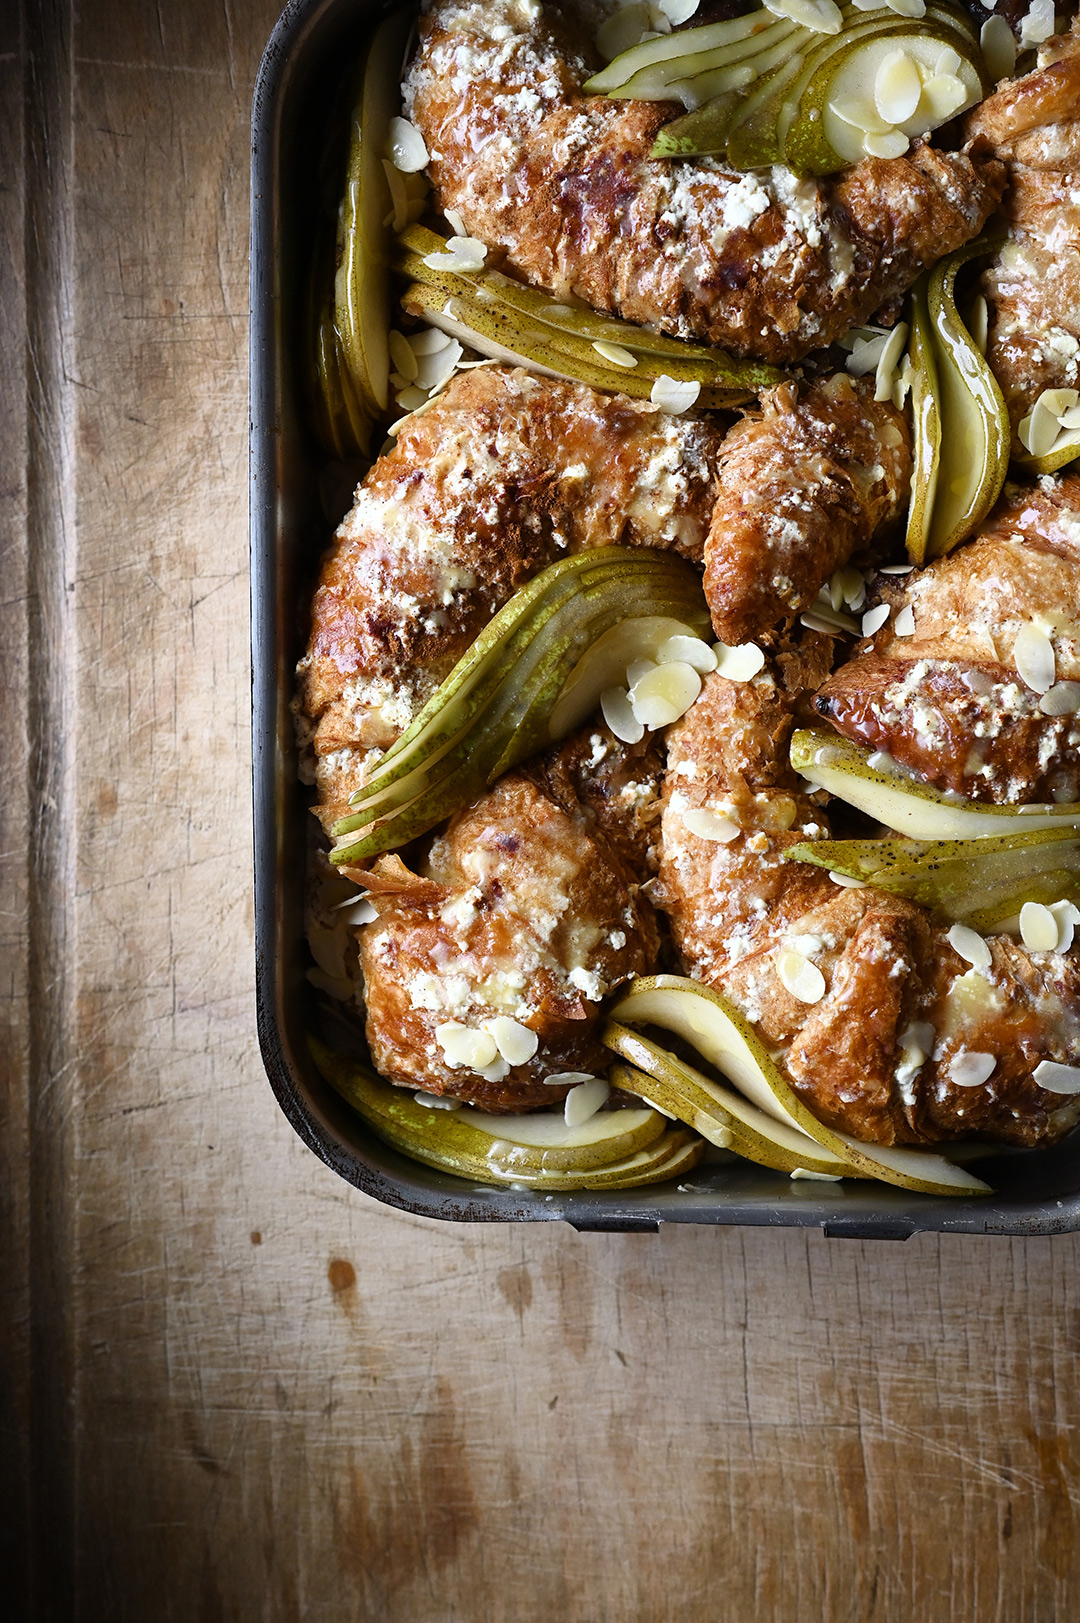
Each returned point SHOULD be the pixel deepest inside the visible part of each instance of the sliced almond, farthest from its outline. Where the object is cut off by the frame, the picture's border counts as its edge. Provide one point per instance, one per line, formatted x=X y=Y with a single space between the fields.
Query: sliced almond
x=897 y=87
x=664 y=694
x=739 y=664
x=710 y=825
x=799 y=976
x=1033 y=656
x=615 y=353
x=618 y=713
x=998 y=45
x=968 y=1069
x=516 y=1043
x=1057 y=1078
x=1039 y=929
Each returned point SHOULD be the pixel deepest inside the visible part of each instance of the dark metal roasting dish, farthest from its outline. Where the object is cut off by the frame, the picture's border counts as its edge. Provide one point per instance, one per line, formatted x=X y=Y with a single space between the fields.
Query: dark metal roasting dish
x=301 y=80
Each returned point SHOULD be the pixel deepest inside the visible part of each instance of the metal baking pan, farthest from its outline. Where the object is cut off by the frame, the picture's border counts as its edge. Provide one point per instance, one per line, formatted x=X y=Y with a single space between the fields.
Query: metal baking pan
x=301 y=78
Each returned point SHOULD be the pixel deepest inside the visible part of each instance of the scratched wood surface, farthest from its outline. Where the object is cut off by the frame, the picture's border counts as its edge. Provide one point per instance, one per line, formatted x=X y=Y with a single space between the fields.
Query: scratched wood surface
x=236 y=1388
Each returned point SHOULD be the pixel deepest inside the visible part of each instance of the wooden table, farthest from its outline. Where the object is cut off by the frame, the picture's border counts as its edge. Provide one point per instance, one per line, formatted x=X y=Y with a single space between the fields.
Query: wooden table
x=238 y=1389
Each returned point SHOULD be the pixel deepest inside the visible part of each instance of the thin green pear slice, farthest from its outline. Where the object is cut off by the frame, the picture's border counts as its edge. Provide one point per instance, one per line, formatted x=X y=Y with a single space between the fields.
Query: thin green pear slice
x=542 y=309
x=1065 y=450
x=490 y=742
x=975 y=432
x=482 y=722
x=719 y=1114
x=820 y=140
x=570 y=584
x=614 y=1149
x=895 y=797
x=709 y=83
x=732 y=66
x=340 y=422
x=485 y=323
x=507 y=322
x=498 y=333
x=974 y=882
x=362 y=299
x=758 y=137
x=689 y=42
x=753 y=139
x=702 y=132
x=926 y=422
x=485 y=663
x=612 y=579
x=718 y=1030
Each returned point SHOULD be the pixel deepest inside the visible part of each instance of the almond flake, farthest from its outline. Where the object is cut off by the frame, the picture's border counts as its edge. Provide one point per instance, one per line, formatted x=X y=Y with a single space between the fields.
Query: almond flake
x=875 y=618
x=967 y=1069
x=515 y=1042
x=406 y=148
x=582 y=1102
x=710 y=825
x=893 y=144
x=672 y=396
x=904 y=624
x=1039 y=929
x=998 y=45
x=664 y=694
x=800 y=977
x=739 y=664
x=1033 y=656
x=897 y=87
x=1063 y=699
x=617 y=712
x=615 y=353
x=689 y=650
x=1057 y=1078
x=463 y=1046
x=970 y=946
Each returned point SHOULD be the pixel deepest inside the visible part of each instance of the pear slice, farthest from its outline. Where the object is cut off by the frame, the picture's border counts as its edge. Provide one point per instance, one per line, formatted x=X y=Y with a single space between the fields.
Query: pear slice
x=753 y=139
x=976 y=882
x=719 y=1114
x=525 y=326
x=740 y=75
x=613 y=1149
x=496 y=706
x=542 y=309
x=340 y=421
x=712 y=39
x=975 y=433
x=495 y=330
x=820 y=140
x=703 y=132
x=759 y=136
x=1065 y=451
x=361 y=296
x=734 y=65
x=926 y=423
x=717 y=1029
x=902 y=802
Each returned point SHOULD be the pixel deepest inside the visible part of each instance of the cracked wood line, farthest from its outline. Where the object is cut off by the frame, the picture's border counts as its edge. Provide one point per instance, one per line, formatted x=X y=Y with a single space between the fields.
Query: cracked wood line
x=285 y=1400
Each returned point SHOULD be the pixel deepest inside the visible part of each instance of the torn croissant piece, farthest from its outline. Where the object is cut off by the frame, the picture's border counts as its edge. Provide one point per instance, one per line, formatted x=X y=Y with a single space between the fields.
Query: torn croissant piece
x=886 y=1029
x=561 y=184
x=505 y=474
x=484 y=975
x=973 y=680
x=802 y=485
x=1033 y=285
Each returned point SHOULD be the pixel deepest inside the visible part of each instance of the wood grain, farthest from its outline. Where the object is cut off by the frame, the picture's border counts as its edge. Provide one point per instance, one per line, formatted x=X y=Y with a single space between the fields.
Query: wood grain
x=256 y=1394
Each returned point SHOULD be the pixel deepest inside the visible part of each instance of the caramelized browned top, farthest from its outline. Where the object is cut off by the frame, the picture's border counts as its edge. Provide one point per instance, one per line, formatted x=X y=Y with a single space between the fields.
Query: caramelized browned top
x=759 y=263
x=802 y=485
x=948 y=699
